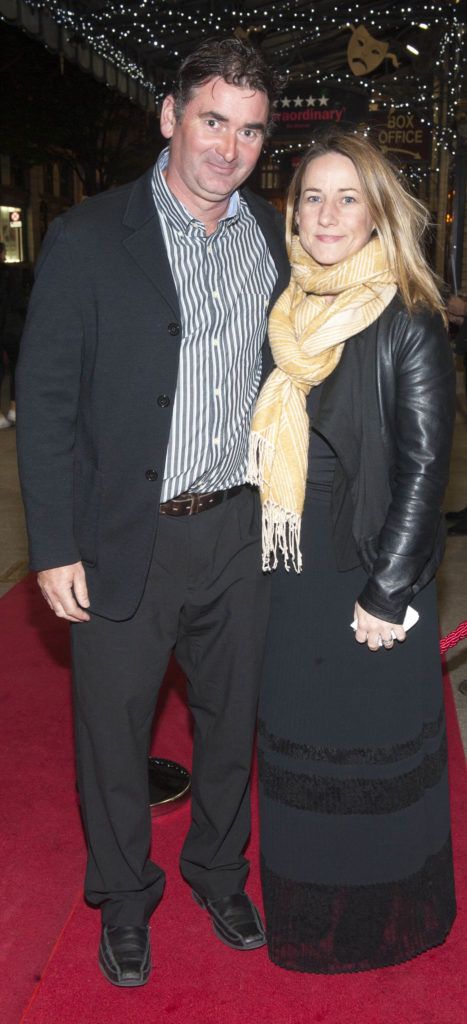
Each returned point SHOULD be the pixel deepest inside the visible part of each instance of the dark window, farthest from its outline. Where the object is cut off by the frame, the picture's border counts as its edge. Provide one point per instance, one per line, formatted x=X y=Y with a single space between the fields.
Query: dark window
x=18 y=174
x=49 y=179
x=66 y=181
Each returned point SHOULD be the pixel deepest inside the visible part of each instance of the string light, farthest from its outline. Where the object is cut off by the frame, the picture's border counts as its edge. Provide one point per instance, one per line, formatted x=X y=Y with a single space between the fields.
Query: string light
x=146 y=38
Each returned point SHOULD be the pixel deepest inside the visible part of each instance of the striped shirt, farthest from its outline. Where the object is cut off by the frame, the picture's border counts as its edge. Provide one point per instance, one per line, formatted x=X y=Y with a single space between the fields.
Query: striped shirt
x=224 y=283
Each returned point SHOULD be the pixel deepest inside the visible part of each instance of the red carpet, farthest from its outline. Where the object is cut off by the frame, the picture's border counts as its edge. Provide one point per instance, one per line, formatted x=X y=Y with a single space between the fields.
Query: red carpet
x=196 y=980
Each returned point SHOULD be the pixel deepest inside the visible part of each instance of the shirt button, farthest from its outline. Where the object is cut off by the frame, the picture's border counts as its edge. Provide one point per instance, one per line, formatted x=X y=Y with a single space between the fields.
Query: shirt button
x=174 y=329
x=215 y=295
x=151 y=474
x=217 y=391
x=215 y=341
x=163 y=401
x=215 y=440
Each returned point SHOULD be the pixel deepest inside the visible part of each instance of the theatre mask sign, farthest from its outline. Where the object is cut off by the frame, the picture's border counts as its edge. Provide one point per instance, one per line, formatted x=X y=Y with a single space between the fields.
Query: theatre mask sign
x=365 y=53
x=305 y=106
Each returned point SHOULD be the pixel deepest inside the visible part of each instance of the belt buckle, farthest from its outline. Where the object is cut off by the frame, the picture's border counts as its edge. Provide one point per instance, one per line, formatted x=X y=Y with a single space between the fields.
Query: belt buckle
x=194 y=504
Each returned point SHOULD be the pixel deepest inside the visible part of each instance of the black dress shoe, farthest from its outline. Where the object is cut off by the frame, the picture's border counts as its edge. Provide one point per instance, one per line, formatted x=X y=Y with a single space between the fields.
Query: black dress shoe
x=125 y=955
x=453 y=516
x=235 y=919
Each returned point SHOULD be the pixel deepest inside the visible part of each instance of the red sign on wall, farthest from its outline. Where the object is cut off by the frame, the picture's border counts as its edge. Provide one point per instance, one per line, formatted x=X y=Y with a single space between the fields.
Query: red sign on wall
x=306 y=106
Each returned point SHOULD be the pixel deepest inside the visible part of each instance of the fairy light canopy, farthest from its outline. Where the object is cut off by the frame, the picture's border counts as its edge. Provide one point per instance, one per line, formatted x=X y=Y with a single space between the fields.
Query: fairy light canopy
x=410 y=49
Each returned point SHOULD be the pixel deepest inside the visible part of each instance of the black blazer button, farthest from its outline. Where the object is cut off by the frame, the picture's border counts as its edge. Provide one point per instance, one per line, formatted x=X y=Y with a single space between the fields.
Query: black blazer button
x=174 y=329
x=151 y=474
x=163 y=401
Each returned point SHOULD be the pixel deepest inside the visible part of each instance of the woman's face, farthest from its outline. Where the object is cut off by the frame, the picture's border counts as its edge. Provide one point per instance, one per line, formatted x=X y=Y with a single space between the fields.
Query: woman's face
x=333 y=218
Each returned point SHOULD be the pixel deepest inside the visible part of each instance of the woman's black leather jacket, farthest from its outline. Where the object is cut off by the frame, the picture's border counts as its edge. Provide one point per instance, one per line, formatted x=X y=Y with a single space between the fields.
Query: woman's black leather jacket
x=388 y=411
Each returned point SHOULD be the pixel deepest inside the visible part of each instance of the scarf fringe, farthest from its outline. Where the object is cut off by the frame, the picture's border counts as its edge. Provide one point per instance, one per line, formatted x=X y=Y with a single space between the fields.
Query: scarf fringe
x=280 y=528
x=281 y=532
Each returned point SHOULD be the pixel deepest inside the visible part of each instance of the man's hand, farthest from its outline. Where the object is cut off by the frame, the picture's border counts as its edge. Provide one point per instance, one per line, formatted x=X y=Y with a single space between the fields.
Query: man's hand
x=370 y=630
x=63 y=588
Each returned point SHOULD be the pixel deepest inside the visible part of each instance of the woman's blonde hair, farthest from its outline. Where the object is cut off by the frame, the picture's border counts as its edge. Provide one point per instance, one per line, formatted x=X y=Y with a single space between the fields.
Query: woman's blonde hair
x=400 y=219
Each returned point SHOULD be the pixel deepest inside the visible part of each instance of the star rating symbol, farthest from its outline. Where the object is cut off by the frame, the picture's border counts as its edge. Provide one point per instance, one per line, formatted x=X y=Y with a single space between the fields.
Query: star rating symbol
x=310 y=101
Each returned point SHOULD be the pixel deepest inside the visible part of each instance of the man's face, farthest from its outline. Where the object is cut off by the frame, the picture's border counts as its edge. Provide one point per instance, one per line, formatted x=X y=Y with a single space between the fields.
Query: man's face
x=216 y=143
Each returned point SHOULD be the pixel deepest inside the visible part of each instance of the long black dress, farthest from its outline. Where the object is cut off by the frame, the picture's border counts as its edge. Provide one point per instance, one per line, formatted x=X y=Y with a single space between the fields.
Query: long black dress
x=355 y=829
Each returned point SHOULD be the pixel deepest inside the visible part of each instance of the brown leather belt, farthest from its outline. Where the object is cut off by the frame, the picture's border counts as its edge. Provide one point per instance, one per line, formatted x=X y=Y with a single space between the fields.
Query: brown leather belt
x=189 y=503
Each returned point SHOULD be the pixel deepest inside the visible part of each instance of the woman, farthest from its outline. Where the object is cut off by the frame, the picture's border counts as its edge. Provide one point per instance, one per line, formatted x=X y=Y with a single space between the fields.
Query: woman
x=356 y=856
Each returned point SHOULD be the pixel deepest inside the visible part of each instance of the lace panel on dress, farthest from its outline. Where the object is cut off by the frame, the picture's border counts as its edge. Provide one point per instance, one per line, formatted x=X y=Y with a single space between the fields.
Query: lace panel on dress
x=357 y=755
x=334 y=795
x=330 y=929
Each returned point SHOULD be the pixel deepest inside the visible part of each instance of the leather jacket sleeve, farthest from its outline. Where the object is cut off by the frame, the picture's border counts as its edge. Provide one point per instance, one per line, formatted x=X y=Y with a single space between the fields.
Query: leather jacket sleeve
x=409 y=547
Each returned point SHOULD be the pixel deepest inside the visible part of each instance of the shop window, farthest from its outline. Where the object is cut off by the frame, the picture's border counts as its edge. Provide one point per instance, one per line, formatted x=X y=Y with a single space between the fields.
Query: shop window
x=270 y=175
x=11 y=232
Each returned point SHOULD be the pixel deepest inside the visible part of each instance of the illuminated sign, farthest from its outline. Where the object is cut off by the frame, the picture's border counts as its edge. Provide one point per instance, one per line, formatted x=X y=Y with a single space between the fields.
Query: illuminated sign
x=402 y=134
x=15 y=219
x=306 y=106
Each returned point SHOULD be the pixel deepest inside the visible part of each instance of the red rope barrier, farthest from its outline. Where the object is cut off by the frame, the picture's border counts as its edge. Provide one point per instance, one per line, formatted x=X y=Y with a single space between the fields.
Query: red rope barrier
x=453 y=638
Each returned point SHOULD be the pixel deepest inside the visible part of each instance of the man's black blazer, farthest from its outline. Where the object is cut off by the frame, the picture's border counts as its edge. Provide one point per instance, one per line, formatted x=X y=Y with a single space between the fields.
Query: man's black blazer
x=100 y=347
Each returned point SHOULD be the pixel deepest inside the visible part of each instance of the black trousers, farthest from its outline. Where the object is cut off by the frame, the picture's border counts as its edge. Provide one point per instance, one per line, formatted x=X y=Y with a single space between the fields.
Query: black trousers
x=206 y=599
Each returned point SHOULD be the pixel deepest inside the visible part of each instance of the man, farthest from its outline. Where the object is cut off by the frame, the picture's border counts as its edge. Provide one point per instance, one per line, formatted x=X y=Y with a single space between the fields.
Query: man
x=153 y=299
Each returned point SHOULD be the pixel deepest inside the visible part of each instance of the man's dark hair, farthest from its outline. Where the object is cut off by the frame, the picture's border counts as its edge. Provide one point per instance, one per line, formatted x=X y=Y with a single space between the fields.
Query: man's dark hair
x=236 y=62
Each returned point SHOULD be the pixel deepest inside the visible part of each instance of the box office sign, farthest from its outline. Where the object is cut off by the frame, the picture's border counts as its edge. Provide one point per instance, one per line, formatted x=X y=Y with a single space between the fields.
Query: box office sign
x=305 y=106
x=403 y=134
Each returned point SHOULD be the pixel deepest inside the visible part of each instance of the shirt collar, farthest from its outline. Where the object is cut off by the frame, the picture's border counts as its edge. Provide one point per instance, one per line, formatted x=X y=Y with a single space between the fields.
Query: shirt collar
x=173 y=209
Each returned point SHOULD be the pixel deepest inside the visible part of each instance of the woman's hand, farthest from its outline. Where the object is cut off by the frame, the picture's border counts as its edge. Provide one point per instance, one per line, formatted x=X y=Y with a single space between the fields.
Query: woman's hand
x=371 y=630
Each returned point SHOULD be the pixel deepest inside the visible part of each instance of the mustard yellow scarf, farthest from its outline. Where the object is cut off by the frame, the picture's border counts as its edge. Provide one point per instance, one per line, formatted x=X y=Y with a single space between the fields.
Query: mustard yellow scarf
x=307 y=335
